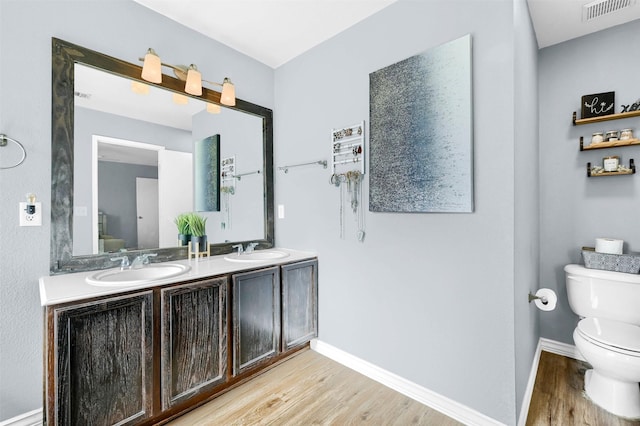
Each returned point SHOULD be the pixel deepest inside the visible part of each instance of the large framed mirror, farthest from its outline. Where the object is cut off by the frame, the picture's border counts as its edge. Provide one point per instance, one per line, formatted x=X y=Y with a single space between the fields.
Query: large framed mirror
x=87 y=152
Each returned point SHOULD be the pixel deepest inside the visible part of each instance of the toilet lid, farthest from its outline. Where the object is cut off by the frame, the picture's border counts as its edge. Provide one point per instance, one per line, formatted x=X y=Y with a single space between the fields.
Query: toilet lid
x=611 y=333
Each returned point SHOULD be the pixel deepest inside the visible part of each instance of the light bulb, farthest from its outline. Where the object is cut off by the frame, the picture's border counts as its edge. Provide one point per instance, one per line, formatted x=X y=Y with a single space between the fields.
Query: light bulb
x=228 y=95
x=194 y=81
x=152 y=67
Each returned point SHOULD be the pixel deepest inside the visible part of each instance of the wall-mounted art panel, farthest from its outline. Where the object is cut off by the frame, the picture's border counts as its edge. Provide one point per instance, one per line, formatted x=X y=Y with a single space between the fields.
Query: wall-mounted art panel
x=421 y=132
x=206 y=159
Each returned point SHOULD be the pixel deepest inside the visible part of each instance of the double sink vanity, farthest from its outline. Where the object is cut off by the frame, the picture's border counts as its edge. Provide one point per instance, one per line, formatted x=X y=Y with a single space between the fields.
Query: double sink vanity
x=139 y=346
x=146 y=342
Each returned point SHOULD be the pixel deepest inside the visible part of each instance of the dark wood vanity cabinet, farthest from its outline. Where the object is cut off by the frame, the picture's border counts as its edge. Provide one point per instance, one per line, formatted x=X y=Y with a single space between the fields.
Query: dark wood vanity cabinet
x=142 y=357
x=256 y=318
x=194 y=339
x=103 y=357
x=299 y=303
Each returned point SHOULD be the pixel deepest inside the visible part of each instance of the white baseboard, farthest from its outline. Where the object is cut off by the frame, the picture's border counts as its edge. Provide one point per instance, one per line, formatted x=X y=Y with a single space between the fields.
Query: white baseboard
x=560 y=348
x=416 y=392
x=32 y=418
x=554 y=347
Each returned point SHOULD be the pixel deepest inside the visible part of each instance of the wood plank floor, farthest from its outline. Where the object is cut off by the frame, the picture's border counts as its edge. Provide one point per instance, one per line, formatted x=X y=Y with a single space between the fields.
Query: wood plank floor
x=310 y=389
x=558 y=396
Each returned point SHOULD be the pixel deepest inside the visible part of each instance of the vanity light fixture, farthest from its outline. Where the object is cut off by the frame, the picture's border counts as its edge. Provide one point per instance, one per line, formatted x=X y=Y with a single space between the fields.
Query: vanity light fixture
x=228 y=95
x=152 y=67
x=152 y=72
x=194 y=81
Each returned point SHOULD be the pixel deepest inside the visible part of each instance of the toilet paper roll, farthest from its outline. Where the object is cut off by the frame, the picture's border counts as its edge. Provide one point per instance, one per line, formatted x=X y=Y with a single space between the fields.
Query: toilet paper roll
x=609 y=245
x=546 y=295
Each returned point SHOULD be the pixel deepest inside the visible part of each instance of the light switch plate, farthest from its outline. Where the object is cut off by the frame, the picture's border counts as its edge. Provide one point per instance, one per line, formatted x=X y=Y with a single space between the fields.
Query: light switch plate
x=280 y=211
x=34 y=219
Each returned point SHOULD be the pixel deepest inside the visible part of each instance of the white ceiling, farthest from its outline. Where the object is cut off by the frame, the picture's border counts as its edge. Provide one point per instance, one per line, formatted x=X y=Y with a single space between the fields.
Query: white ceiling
x=271 y=31
x=556 y=21
x=276 y=31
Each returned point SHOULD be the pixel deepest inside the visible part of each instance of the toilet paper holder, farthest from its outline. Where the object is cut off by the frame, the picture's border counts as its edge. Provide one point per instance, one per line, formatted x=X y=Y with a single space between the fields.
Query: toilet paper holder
x=533 y=297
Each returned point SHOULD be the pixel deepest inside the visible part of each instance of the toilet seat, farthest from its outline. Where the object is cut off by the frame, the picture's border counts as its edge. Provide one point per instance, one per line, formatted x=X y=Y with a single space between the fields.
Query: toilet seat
x=612 y=335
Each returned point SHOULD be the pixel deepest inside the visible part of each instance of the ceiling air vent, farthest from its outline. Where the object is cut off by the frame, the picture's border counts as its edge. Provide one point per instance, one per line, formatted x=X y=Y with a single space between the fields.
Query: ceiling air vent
x=598 y=8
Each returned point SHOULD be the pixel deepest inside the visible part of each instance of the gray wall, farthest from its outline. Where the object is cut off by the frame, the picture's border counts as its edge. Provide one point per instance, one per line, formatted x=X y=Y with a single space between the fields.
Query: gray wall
x=240 y=135
x=429 y=297
x=117 y=198
x=434 y=298
x=527 y=200
x=88 y=123
x=575 y=210
x=122 y=29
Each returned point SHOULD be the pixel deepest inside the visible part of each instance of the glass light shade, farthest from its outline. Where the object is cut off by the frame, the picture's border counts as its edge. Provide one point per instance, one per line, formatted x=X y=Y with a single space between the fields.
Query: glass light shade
x=213 y=108
x=228 y=96
x=194 y=81
x=152 y=67
x=180 y=99
x=139 y=88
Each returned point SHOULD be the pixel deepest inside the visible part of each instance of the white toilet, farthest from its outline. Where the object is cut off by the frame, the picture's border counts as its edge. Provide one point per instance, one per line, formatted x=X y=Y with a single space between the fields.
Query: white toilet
x=608 y=335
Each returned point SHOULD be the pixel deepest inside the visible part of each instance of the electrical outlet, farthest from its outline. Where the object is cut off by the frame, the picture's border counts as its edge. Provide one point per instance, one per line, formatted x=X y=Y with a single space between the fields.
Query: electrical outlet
x=30 y=214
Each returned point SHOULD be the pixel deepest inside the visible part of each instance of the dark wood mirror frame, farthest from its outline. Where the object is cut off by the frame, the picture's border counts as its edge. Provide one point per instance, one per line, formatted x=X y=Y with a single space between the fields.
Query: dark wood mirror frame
x=64 y=56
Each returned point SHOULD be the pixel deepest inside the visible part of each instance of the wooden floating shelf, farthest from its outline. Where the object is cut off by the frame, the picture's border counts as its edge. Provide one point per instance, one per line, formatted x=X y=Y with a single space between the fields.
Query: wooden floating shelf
x=621 y=115
x=611 y=144
x=632 y=166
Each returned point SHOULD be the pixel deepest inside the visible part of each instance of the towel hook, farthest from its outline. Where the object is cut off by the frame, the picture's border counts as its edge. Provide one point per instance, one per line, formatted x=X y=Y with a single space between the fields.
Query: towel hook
x=3 y=142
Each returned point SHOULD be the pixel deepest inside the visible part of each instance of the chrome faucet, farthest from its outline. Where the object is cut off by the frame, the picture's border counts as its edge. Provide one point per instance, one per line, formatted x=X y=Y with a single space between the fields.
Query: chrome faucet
x=239 y=247
x=124 y=262
x=142 y=260
x=250 y=247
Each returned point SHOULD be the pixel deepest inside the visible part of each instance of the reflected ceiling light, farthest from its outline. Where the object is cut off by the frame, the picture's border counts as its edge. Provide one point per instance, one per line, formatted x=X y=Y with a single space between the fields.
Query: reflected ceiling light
x=152 y=72
x=213 y=108
x=139 y=88
x=152 y=67
x=180 y=99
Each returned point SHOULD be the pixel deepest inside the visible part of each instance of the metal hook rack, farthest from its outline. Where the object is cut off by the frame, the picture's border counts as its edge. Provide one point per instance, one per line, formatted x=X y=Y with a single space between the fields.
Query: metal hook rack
x=3 y=142
x=347 y=148
x=322 y=163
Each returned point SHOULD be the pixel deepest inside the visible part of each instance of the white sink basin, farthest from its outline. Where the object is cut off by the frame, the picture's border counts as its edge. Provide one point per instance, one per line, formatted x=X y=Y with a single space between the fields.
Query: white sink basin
x=257 y=256
x=144 y=275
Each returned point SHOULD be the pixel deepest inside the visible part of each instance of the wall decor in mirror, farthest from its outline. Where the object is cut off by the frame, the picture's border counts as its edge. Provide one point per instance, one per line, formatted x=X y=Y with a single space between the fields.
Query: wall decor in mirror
x=109 y=151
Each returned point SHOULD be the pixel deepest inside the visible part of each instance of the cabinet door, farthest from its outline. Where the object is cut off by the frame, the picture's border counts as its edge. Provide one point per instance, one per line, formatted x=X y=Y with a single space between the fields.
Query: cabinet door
x=104 y=361
x=256 y=318
x=194 y=339
x=299 y=303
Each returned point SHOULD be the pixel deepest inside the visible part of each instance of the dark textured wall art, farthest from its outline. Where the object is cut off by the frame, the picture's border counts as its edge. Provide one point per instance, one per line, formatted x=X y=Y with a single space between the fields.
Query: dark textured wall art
x=421 y=137
x=206 y=170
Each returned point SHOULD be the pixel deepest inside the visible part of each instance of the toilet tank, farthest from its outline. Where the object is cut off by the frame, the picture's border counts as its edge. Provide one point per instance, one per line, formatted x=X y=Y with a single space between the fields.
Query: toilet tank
x=603 y=294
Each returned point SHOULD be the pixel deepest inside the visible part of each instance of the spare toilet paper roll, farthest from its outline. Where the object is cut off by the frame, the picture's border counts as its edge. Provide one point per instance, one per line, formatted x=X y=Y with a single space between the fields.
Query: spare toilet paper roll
x=609 y=245
x=546 y=295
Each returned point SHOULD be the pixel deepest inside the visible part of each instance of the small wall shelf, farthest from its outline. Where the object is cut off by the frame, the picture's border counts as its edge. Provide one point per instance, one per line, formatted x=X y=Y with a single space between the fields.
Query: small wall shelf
x=619 y=116
x=612 y=144
x=632 y=166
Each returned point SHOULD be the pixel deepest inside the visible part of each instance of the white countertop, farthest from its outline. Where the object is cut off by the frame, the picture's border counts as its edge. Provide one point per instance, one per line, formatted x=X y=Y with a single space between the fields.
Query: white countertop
x=73 y=287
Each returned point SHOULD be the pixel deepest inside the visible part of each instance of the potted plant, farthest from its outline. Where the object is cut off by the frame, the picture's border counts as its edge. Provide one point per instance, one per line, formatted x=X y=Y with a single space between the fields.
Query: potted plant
x=184 y=231
x=197 y=226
